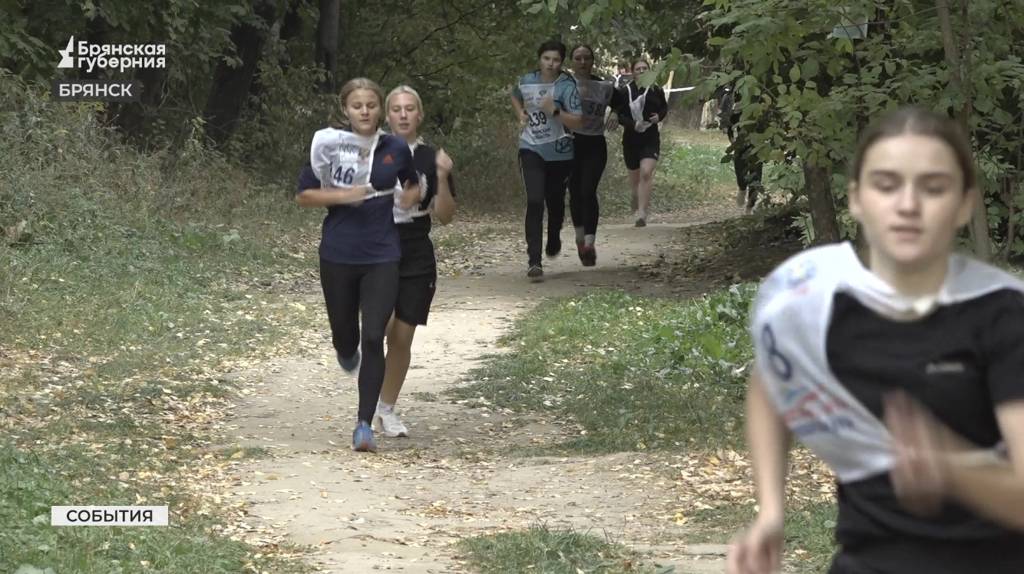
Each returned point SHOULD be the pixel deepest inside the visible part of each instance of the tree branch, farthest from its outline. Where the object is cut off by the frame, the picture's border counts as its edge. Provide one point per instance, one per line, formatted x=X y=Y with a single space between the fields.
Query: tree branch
x=416 y=45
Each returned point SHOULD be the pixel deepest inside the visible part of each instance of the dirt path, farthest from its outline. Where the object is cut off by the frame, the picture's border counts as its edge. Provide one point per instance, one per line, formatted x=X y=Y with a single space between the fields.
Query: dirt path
x=459 y=473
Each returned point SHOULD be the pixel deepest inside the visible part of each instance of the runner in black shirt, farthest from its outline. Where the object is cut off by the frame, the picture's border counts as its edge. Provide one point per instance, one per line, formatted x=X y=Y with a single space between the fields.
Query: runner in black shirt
x=644 y=109
x=417 y=269
x=596 y=96
x=906 y=376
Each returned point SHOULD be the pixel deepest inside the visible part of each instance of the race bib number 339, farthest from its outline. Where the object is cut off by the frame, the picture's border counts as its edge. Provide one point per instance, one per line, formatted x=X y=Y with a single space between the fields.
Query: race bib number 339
x=540 y=128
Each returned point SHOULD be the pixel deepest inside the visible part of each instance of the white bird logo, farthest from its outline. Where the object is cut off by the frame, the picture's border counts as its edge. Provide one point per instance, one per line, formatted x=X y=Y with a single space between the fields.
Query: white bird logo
x=66 y=59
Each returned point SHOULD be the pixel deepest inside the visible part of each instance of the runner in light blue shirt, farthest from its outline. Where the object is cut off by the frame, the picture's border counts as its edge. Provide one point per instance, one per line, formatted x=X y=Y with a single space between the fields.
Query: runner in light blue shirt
x=546 y=102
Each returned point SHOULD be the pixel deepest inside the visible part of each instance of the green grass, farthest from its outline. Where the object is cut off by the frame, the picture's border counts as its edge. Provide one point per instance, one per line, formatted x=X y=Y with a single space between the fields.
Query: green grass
x=32 y=482
x=540 y=549
x=809 y=526
x=633 y=372
x=640 y=373
x=133 y=282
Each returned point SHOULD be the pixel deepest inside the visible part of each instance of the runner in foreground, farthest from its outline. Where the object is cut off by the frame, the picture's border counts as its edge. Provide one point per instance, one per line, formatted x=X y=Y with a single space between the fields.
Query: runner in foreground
x=904 y=376
x=355 y=172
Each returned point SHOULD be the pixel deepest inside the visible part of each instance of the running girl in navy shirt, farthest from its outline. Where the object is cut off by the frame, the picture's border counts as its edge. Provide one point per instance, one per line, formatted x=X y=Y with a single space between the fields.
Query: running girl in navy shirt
x=359 y=173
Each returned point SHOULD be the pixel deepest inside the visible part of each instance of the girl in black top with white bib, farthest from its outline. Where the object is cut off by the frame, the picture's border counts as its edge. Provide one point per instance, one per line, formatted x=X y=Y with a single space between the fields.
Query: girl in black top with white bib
x=591 y=150
x=417 y=269
x=643 y=110
x=905 y=376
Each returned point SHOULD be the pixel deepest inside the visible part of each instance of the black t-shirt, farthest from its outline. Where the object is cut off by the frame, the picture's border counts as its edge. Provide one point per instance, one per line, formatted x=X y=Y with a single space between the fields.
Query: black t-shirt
x=417 y=250
x=960 y=362
x=654 y=104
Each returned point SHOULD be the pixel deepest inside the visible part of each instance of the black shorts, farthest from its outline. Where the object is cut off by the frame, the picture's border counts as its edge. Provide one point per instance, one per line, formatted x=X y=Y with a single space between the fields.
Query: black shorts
x=417 y=279
x=415 y=294
x=637 y=146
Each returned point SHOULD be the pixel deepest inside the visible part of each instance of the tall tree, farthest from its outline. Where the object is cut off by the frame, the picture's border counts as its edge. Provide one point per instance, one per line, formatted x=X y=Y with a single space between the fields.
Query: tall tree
x=326 y=57
x=953 y=51
x=233 y=76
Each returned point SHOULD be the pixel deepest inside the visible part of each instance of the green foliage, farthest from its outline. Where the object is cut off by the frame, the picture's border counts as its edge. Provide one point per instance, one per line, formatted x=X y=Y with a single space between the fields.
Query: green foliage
x=132 y=278
x=114 y=243
x=689 y=173
x=541 y=549
x=809 y=94
x=195 y=33
x=633 y=372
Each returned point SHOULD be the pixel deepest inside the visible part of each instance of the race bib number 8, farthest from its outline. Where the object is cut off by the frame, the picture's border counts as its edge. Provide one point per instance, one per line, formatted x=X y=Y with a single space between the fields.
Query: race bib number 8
x=539 y=129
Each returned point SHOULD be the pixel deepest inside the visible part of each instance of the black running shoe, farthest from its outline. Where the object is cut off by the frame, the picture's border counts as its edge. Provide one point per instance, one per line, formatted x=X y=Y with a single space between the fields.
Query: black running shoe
x=554 y=246
x=536 y=273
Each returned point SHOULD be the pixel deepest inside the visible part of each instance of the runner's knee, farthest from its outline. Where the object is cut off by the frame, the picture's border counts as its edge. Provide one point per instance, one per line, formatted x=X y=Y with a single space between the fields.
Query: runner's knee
x=400 y=336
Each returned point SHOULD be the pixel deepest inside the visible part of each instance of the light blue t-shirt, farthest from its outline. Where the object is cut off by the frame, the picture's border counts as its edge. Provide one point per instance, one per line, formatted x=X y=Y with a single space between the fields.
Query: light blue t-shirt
x=543 y=135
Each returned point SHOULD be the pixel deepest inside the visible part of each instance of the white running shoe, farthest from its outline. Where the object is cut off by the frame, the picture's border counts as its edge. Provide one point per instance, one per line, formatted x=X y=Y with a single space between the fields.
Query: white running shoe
x=388 y=424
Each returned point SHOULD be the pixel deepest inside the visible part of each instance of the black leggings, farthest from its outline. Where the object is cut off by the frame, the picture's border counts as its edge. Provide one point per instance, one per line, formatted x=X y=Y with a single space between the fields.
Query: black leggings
x=370 y=290
x=591 y=159
x=545 y=184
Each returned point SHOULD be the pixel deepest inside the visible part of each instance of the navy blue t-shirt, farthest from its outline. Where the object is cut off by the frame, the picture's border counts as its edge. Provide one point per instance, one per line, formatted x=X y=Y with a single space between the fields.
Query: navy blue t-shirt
x=366 y=234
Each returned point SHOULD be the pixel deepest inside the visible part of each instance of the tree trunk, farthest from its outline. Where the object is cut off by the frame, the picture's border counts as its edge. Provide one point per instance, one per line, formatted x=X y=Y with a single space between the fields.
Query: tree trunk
x=287 y=29
x=327 y=42
x=97 y=31
x=230 y=86
x=979 y=220
x=131 y=117
x=818 y=187
x=291 y=27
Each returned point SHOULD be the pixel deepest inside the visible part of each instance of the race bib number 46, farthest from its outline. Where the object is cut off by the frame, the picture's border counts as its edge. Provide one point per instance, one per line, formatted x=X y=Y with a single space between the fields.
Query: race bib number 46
x=344 y=159
x=539 y=129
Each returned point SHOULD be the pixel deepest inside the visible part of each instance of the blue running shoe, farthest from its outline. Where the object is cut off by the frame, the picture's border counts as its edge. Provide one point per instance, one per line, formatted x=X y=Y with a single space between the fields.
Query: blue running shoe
x=362 y=438
x=350 y=364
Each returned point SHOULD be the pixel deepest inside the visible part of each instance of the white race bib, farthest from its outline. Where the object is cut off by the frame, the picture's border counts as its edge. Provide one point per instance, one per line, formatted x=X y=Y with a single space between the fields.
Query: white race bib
x=790 y=326
x=539 y=129
x=636 y=109
x=594 y=96
x=341 y=158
